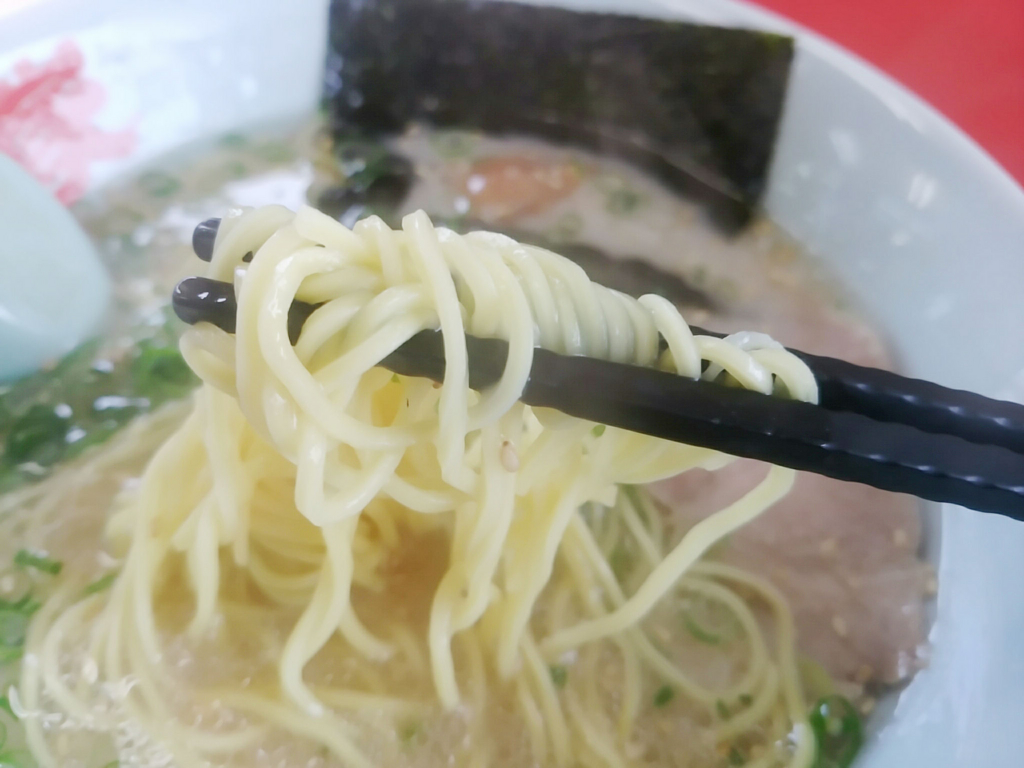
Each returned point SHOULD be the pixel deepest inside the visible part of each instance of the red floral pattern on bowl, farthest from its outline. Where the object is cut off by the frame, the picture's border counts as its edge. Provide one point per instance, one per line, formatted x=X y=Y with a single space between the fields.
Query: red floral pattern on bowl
x=48 y=125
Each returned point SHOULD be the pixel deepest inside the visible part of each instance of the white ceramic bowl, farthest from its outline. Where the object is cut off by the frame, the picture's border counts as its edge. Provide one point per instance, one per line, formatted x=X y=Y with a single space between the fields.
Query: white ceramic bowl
x=926 y=230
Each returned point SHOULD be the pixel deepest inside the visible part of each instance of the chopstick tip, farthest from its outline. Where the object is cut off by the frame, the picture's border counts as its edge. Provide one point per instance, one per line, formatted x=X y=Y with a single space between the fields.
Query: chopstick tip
x=203 y=238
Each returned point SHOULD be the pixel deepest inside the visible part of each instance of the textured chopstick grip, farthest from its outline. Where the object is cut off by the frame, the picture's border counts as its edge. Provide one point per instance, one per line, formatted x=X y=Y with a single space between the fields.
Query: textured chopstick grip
x=887 y=396
x=839 y=444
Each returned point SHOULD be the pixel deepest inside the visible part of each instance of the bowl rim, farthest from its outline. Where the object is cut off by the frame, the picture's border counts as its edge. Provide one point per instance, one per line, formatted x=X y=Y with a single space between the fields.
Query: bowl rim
x=34 y=21
x=37 y=21
x=911 y=107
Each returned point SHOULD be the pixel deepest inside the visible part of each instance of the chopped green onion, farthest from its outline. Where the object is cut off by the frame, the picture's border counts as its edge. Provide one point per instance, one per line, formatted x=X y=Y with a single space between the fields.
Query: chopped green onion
x=13 y=625
x=5 y=705
x=746 y=699
x=699 y=633
x=37 y=435
x=102 y=583
x=722 y=710
x=664 y=695
x=5 y=414
x=395 y=379
x=838 y=732
x=24 y=604
x=16 y=758
x=113 y=764
x=15 y=616
x=598 y=430
x=159 y=184
x=623 y=201
x=54 y=415
x=408 y=733
x=708 y=621
x=559 y=675
x=161 y=373
x=3 y=735
x=13 y=628
x=27 y=558
x=736 y=757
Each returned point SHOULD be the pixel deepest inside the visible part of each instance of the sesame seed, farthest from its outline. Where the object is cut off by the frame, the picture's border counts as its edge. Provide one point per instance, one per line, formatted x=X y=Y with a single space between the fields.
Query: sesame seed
x=865 y=673
x=509 y=457
x=839 y=625
x=900 y=537
x=828 y=547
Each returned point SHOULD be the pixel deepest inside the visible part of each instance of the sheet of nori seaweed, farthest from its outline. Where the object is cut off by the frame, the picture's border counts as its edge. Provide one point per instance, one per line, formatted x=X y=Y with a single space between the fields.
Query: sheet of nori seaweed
x=697 y=105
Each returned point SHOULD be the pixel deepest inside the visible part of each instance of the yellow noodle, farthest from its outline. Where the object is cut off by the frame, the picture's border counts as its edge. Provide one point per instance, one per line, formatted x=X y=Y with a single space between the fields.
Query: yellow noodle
x=301 y=470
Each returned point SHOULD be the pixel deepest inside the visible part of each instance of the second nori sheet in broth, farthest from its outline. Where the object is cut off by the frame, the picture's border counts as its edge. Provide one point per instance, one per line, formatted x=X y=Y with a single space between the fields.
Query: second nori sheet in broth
x=697 y=105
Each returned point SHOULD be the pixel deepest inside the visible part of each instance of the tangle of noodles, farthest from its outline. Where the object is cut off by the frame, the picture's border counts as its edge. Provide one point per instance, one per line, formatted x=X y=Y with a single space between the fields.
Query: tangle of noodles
x=301 y=470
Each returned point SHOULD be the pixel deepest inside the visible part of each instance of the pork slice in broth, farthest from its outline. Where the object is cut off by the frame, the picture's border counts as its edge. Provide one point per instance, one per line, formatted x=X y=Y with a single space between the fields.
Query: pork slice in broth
x=845 y=555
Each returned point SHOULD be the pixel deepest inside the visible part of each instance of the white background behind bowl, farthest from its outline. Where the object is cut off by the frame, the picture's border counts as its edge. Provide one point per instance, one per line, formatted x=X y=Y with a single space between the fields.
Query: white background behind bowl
x=926 y=231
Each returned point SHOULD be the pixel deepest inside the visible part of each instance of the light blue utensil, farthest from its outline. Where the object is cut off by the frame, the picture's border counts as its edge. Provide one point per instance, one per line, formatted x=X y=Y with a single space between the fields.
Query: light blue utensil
x=53 y=288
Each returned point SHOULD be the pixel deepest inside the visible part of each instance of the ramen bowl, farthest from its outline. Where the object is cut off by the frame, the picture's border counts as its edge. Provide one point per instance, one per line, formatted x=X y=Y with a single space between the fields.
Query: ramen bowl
x=924 y=230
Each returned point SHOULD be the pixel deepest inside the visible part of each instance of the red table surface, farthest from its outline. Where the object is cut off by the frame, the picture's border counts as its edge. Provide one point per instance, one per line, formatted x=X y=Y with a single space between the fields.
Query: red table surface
x=965 y=57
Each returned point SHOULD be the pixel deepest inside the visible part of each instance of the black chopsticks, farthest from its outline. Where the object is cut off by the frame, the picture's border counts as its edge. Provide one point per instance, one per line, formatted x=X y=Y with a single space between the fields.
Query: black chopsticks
x=870 y=426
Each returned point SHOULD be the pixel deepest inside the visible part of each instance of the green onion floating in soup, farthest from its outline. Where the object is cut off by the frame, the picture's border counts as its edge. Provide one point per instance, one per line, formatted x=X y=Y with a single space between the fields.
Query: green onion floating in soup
x=837 y=731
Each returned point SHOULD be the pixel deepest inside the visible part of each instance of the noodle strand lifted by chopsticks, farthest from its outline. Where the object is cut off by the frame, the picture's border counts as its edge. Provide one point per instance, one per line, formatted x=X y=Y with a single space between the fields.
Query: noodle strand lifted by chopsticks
x=302 y=471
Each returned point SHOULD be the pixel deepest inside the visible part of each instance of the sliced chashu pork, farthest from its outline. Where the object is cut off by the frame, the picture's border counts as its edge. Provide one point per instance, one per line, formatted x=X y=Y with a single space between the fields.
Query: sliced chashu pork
x=846 y=555
x=843 y=554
